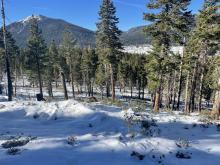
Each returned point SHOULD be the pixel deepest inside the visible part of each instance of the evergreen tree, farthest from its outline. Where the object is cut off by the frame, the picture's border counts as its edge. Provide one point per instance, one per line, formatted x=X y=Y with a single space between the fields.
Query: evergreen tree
x=36 y=53
x=89 y=66
x=107 y=40
x=13 y=54
x=76 y=72
x=165 y=29
x=141 y=74
x=100 y=78
x=52 y=67
x=202 y=45
x=216 y=87
x=68 y=52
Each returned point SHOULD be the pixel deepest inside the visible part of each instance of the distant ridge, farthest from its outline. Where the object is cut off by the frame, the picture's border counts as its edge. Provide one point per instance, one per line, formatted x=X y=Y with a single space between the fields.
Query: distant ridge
x=53 y=28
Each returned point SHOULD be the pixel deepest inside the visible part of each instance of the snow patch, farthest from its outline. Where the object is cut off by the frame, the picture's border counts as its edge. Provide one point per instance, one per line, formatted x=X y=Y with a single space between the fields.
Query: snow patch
x=29 y=18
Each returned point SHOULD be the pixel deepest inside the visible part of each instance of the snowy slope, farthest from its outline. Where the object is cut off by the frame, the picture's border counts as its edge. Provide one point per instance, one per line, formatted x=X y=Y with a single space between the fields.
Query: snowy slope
x=102 y=136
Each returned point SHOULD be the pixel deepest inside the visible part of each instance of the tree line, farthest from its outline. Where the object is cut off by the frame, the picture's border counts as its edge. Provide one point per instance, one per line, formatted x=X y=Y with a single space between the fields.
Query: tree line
x=174 y=81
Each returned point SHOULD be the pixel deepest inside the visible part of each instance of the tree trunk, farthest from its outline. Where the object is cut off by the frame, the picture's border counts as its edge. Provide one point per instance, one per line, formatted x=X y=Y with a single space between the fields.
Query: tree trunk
x=200 y=91
x=39 y=76
x=216 y=106
x=169 y=93
x=112 y=82
x=180 y=85
x=107 y=89
x=64 y=86
x=16 y=78
x=72 y=83
x=187 y=109
x=50 y=89
x=7 y=58
x=193 y=88
x=131 y=88
x=143 y=92
x=139 y=89
x=107 y=81
x=157 y=101
x=174 y=93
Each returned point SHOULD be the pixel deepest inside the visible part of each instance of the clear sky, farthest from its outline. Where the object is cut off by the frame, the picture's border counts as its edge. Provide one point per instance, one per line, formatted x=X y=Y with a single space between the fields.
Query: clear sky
x=82 y=12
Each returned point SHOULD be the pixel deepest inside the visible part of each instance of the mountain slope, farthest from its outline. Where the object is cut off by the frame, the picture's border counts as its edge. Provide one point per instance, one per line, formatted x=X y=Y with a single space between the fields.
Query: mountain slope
x=52 y=29
x=135 y=36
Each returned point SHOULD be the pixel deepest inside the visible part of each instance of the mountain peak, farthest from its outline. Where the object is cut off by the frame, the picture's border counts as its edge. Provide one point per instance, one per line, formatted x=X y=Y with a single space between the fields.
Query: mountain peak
x=29 y=18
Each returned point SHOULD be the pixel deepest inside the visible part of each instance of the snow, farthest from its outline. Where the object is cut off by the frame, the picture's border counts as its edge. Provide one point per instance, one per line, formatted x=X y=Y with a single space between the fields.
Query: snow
x=145 y=49
x=103 y=135
x=28 y=19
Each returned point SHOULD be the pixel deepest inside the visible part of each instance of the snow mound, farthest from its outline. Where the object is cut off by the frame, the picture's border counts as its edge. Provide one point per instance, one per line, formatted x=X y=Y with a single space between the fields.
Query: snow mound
x=68 y=108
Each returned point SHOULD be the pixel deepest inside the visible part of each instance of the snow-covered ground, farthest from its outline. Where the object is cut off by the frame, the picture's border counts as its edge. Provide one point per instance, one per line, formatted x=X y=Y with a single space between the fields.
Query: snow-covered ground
x=145 y=49
x=74 y=133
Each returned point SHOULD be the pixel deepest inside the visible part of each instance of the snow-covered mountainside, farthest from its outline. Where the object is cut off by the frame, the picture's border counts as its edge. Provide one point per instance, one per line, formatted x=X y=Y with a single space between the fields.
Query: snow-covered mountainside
x=29 y=18
x=52 y=29
x=70 y=132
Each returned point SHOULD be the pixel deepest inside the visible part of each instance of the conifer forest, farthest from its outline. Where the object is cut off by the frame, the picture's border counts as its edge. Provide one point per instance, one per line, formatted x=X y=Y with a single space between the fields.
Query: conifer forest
x=74 y=96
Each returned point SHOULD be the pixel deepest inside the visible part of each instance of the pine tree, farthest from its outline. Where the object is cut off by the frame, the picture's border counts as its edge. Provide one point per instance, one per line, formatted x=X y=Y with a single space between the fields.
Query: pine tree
x=67 y=47
x=107 y=40
x=203 y=44
x=140 y=61
x=6 y=56
x=36 y=52
x=165 y=29
x=100 y=78
x=216 y=87
x=77 y=74
x=13 y=54
x=52 y=67
x=88 y=67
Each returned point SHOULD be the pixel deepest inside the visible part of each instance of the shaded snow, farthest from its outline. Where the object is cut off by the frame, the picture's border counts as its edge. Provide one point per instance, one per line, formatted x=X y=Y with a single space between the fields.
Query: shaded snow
x=102 y=136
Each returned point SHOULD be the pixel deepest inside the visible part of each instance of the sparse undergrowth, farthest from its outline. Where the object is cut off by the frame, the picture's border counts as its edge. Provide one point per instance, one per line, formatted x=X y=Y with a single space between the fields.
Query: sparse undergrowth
x=14 y=143
x=206 y=116
x=13 y=151
x=117 y=103
x=71 y=140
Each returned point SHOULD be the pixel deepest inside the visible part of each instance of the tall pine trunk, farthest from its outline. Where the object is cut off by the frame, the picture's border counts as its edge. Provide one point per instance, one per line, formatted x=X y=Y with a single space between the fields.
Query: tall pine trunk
x=193 y=88
x=107 y=81
x=200 y=91
x=139 y=89
x=64 y=86
x=143 y=92
x=131 y=88
x=15 y=83
x=72 y=83
x=169 y=93
x=157 y=100
x=39 y=76
x=180 y=84
x=216 y=106
x=7 y=59
x=112 y=82
x=50 y=89
x=174 y=92
x=187 y=109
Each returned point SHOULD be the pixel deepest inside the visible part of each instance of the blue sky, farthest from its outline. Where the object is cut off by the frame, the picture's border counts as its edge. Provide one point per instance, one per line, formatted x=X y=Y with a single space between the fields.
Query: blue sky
x=82 y=12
